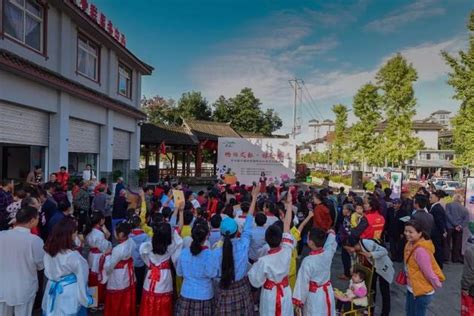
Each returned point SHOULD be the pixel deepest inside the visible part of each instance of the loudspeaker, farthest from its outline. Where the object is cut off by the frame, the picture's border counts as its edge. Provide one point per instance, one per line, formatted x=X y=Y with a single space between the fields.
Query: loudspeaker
x=357 y=182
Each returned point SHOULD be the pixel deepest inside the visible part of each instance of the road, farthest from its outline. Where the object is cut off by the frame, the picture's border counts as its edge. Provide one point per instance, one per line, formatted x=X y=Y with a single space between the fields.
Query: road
x=447 y=300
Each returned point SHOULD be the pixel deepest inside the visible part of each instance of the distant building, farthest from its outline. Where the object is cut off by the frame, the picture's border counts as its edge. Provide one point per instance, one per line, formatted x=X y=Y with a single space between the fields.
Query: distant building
x=432 y=162
x=321 y=129
x=427 y=131
x=441 y=117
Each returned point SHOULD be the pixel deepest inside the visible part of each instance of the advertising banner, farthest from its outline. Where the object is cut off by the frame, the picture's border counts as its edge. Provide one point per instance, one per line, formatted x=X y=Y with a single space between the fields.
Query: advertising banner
x=396 y=184
x=249 y=160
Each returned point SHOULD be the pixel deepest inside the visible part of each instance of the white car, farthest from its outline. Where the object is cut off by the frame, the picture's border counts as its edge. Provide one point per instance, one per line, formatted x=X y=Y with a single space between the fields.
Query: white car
x=451 y=186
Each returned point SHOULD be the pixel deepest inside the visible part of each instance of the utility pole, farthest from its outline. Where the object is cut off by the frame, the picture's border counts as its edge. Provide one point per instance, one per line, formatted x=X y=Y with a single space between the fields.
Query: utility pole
x=294 y=83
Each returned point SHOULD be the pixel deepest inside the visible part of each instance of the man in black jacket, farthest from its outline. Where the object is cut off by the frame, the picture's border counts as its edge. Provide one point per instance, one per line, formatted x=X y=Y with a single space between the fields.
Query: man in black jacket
x=395 y=228
x=439 y=231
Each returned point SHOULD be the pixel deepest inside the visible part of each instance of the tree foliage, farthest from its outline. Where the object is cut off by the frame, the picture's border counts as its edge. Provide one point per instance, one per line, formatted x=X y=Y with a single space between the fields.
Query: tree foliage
x=367 y=109
x=395 y=80
x=339 y=146
x=245 y=113
x=462 y=80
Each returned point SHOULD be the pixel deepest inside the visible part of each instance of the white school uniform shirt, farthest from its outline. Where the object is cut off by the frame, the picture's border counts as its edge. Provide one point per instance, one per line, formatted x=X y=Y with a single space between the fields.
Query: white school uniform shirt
x=96 y=239
x=240 y=220
x=21 y=256
x=274 y=267
x=271 y=219
x=317 y=268
x=165 y=283
x=119 y=278
x=74 y=295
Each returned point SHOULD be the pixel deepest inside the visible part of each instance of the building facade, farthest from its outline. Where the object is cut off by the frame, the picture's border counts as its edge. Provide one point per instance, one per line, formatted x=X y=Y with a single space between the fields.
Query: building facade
x=441 y=117
x=70 y=91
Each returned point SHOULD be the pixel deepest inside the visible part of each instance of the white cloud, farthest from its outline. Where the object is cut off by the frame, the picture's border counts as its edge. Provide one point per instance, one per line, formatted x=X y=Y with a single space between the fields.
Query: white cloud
x=305 y=52
x=426 y=58
x=420 y=9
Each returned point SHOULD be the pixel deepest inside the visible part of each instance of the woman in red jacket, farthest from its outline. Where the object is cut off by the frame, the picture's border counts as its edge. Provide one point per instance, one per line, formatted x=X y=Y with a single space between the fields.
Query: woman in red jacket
x=322 y=218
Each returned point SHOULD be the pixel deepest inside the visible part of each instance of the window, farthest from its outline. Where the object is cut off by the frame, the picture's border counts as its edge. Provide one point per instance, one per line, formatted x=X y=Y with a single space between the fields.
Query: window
x=23 y=21
x=87 y=58
x=125 y=81
x=428 y=156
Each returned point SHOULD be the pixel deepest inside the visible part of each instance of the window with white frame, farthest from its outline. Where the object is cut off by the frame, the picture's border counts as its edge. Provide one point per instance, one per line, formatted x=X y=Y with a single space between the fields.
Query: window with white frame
x=23 y=21
x=125 y=81
x=87 y=58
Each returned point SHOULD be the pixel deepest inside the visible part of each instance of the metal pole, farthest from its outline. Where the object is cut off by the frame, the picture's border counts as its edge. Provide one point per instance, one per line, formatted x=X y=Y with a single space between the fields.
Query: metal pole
x=294 y=108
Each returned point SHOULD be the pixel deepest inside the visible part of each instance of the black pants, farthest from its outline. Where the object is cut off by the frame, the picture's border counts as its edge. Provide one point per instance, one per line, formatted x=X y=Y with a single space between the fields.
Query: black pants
x=140 y=273
x=397 y=245
x=108 y=225
x=346 y=262
x=454 y=243
x=384 y=288
x=439 y=250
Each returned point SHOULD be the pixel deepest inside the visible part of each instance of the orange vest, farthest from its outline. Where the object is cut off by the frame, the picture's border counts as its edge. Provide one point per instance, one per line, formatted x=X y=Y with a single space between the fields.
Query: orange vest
x=375 y=228
x=418 y=282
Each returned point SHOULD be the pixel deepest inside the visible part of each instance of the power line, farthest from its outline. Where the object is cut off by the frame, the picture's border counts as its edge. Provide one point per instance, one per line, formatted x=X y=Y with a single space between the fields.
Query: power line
x=312 y=100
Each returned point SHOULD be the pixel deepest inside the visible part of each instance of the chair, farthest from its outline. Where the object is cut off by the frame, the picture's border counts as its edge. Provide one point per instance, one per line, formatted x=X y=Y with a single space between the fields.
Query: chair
x=357 y=310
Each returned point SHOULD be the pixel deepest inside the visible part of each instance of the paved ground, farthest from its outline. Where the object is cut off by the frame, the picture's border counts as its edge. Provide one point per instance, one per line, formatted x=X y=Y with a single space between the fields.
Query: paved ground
x=447 y=301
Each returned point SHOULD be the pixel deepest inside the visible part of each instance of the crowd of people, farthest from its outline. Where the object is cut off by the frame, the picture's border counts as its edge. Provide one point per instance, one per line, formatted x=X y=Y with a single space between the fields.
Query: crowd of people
x=75 y=246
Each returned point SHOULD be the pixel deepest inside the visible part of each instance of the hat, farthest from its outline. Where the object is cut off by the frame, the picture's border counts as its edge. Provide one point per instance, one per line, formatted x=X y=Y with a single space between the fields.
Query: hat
x=228 y=226
x=397 y=201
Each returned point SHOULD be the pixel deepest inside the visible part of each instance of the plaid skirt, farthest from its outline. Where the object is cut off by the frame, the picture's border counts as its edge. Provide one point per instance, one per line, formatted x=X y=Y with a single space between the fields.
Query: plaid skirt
x=189 y=307
x=237 y=300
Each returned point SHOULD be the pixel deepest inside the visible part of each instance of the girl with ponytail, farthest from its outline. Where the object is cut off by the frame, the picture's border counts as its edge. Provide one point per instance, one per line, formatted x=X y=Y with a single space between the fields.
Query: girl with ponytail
x=159 y=255
x=96 y=237
x=234 y=294
x=197 y=267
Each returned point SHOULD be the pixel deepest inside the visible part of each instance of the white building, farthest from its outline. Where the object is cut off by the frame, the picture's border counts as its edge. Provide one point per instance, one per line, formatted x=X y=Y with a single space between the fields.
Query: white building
x=428 y=132
x=69 y=90
x=441 y=117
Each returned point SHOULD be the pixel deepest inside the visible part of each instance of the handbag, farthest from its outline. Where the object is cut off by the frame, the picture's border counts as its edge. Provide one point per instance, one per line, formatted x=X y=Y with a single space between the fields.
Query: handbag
x=401 y=277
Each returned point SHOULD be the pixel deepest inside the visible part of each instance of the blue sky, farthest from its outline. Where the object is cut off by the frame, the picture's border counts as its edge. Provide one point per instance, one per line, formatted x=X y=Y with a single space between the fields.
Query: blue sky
x=220 y=46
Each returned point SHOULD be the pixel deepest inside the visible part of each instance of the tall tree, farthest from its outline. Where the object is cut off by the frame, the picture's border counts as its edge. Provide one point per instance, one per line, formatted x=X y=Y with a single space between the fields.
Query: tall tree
x=245 y=113
x=192 y=105
x=223 y=110
x=462 y=80
x=339 y=146
x=159 y=110
x=367 y=109
x=395 y=79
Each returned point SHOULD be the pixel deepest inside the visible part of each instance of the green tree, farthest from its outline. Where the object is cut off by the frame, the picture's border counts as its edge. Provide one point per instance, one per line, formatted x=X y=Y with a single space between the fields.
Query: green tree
x=462 y=80
x=339 y=146
x=395 y=79
x=159 y=110
x=223 y=110
x=245 y=113
x=367 y=109
x=192 y=105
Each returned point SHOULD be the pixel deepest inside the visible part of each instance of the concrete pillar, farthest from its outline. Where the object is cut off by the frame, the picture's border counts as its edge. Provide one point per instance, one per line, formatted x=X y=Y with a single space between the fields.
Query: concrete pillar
x=59 y=134
x=106 y=147
x=134 y=156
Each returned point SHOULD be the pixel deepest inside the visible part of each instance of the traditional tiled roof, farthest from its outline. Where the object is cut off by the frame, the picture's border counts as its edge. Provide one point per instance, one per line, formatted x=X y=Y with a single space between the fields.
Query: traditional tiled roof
x=22 y=67
x=441 y=112
x=446 y=134
x=417 y=126
x=155 y=134
x=328 y=137
x=258 y=135
x=210 y=130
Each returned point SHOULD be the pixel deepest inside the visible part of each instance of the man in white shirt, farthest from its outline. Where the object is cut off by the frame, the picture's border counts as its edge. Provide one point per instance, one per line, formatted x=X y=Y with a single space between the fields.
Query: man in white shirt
x=22 y=256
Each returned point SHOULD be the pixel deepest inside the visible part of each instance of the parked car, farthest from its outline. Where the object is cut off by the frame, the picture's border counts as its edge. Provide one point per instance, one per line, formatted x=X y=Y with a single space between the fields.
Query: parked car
x=451 y=186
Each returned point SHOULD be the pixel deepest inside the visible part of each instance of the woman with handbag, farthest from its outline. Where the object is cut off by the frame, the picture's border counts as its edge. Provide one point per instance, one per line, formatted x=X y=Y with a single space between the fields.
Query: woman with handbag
x=467 y=283
x=423 y=275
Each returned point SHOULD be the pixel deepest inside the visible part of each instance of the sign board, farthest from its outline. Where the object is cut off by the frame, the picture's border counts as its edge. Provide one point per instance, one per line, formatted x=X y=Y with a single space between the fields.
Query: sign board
x=396 y=184
x=249 y=160
x=469 y=198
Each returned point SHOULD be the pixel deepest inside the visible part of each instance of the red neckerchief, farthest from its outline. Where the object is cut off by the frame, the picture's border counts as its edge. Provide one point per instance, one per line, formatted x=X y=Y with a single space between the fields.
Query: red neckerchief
x=274 y=250
x=137 y=232
x=316 y=252
x=243 y=216
x=122 y=241
x=204 y=247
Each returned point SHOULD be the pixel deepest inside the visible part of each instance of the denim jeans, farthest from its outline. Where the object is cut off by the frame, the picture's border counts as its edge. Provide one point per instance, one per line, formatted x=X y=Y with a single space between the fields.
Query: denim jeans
x=417 y=306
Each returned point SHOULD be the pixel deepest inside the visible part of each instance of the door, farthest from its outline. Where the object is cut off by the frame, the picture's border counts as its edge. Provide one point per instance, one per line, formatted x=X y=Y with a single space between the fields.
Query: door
x=84 y=137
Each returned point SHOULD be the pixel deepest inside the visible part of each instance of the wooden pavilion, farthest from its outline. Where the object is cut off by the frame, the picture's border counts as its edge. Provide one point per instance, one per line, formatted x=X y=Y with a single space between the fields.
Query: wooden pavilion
x=182 y=144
